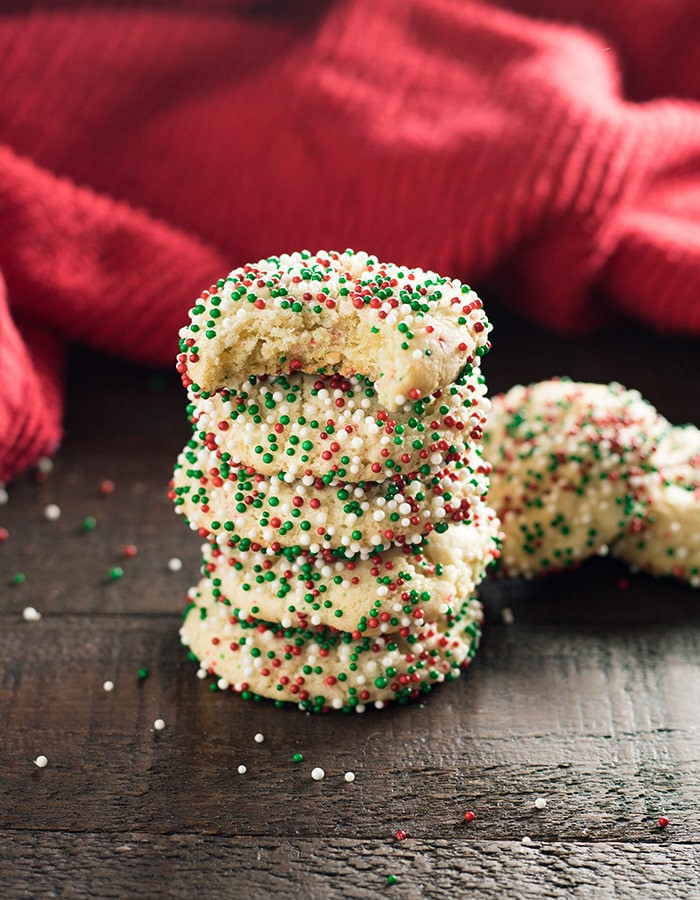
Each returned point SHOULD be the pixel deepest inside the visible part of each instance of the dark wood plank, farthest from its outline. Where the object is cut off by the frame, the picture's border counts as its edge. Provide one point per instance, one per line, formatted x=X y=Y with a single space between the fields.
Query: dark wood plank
x=603 y=724
x=177 y=865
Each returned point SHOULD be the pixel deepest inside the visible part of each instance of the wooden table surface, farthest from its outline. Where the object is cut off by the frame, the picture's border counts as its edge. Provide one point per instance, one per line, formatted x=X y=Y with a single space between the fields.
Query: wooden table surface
x=589 y=699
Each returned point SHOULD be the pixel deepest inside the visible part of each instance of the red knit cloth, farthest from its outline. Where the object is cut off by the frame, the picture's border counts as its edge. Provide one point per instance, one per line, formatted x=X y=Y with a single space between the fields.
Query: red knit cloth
x=150 y=147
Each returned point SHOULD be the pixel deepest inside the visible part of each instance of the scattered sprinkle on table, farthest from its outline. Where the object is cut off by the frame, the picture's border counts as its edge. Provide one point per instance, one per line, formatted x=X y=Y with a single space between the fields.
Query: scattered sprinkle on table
x=507 y=615
x=664 y=821
x=540 y=803
x=175 y=564
x=45 y=465
x=130 y=551
x=391 y=879
x=298 y=757
x=142 y=674
x=106 y=487
x=52 y=512
x=159 y=724
x=526 y=840
x=469 y=816
x=259 y=738
x=400 y=835
x=242 y=770
x=115 y=573
x=4 y=535
x=19 y=578
x=108 y=686
x=29 y=614
x=349 y=776
x=4 y=496
x=317 y=774
x=41 y=762
x=89 y=523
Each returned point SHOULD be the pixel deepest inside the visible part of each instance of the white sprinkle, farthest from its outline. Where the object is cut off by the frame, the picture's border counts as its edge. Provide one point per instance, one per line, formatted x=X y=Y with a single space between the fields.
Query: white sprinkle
x=45 y=465
x=175 y=564
x=41 y=762
x=349 y=776
x=317 y=774
x=4 y=496
x=540 y=803
x=52 y=512
x=159 y=724
x=507 y=615
x=108 y=686
x=242 y=770
x=29 y=614
x=526 y=840
x=259 y=738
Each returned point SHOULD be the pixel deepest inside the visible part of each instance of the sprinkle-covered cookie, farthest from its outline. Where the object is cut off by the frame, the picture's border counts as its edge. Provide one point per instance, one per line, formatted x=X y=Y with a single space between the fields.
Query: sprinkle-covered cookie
x=666 y=541
x=335 y=424
x=409 y=331
x=217 y=497
x=393 y=591
x=570 y=465
x=322 y=668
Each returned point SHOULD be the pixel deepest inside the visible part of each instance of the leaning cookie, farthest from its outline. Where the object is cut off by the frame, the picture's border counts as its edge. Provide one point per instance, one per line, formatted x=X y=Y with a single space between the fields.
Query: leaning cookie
x=409 y=331
x=396 y=590
x=321 y=668
x=666 y=541
x=218 y=497
x=321 y=424
x=570 y=465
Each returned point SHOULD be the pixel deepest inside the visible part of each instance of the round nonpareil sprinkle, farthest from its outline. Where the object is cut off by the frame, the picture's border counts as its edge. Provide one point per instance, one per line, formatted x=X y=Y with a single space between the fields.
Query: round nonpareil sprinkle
x=259 y=738
x=159 y=724
x=108 y=686
x=52 y=512
x=349 y=776
x=4 y=535
x=142 y=674
x=115 y=573
x=242 y=770
x=664 y=821
x=298 y=757
x=400 y=835
x=19 y=578
x=317 y=773
x=106 y=487
x=175 y=564
x=29 y=614
x=130 y=551
x=391 y=879
x=89 y=523
x=41 y=762
x=469 y=816
x=540 y=803
x=44 y=465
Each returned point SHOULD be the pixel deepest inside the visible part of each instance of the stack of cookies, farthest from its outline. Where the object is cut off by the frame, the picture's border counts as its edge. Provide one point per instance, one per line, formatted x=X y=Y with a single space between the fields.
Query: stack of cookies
x=335 y=473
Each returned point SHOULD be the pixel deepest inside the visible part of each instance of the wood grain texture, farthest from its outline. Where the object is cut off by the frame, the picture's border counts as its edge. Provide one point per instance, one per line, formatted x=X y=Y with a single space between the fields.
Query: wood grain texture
x=129 y=864
x=590 y=699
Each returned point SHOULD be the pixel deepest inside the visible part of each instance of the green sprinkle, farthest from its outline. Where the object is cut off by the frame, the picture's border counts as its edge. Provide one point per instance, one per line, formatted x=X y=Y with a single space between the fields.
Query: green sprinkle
x=89 y=523
x=142 y=674
x=116 y=572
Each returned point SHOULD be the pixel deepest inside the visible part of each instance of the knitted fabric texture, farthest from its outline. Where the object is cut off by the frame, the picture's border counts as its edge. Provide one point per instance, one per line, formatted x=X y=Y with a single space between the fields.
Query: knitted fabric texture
x=148 y=148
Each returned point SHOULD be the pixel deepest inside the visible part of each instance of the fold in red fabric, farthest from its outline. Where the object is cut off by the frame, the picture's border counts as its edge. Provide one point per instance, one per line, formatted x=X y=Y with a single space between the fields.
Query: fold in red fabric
x=150 y=147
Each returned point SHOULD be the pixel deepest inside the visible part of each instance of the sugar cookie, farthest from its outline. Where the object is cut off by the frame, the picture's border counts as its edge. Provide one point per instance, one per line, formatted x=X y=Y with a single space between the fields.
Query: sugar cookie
x=392 y=591
x=666 y=540
x=321 y=668
x=409 y=331
x=216 y=496
x=570 y=462
x=298 y=424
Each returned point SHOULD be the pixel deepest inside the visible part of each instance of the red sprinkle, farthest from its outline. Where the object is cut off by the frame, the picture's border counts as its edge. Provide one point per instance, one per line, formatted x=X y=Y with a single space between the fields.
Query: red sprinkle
x=469 y=816
x=400 y=835
x=663 y=821
x=106 y=487
x=130 y=550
